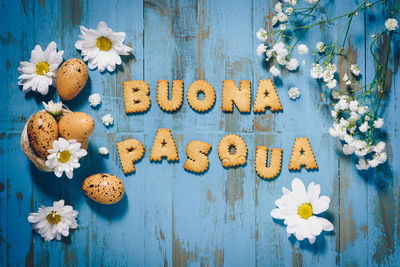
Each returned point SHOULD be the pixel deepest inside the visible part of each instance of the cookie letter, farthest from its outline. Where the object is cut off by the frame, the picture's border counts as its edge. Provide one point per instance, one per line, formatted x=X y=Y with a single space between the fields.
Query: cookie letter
x=232 y=150
x=232 y=94
x=193 y=92
x=267 y=97
x=136 y=96
x=197 y=160
x=129 y=151
x=164 y=146
x=261 y=162
x=302 y=155
x=163 y=95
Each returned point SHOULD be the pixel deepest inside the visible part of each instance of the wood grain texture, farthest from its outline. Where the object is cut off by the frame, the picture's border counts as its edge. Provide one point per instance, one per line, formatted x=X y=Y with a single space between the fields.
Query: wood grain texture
x=169 y=216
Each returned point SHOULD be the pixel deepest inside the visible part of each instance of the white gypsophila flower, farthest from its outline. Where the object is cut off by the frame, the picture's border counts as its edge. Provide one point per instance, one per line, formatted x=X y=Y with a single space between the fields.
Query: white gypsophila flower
x=380 y=147
x=364 y=127
x=378 y=123
x=292 y=64
x=316 y=71
x=274 y=20
x=103 y=150
x=268 y=54
x=362 y=165
x=327 y=76
x=331 y=68
x=346 y=79
x=348 y=139
x=64 y=157
x=353 y=117
x=312 y=2
x=281 y=60
x=261 y=48
x=282 y=17
x=293 y=93
x=280 y=49
x=334 y=113
x=331 y=84
x=291 y=2
x=320 y=47
x=55 y=109
x=304 y=62
x=55 y=221
x=335 y=95
x=377 y=159
x=342 y=104
x=262 y=35
x=348 y=149
x=302 y=49
x=362 y=110
x=391 y=24
x=274 y=71
x=40 y=71
x=355 y=69
x=367 y=118
x=289 y=10
x=94 y=100
x=107 y=120
x=102 y=48
x=278 y=7
x=299 y=207
x=282 y=27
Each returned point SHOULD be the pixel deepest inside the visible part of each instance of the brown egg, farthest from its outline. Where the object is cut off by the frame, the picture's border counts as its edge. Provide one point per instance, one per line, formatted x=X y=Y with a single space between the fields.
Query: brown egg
x=104 y=188
x=42 y=132
x=71 y=78
x=76 y=125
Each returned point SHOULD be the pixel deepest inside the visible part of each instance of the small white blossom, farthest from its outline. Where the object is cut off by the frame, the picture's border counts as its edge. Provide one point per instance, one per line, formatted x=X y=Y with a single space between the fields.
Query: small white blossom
x=274 y=20
x=261 y=48
x=302 y=49
x=292 y=65
x=278 y=7
x=346 y=79
x=293 y=93
x=378 y=148
x=320 y=47
x=353 y=105
x=335 y=95
x=327 y=76
x=364 y=127
x=274 y=71
x=94 y=100
x=378 y=123
x=262 y=35
x=281 y=60
x=391 y=24
x=289 y=10
x=334 y=113
x=362 y=110
x=316 y=71
x=353 y=117
x=282 y=27
x=280 y=49
x=312 y=2
x=331 y=84
x=268 y=53
x=377 y=159
x=362 y=165
x=282 y=17
x=355 y=69
x=304 y=62
x=107 y=120
x=55 y=109
x=103 y=150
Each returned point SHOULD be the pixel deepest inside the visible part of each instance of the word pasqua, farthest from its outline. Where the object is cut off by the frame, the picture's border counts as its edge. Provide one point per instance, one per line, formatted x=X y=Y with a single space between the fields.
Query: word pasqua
x=232 y=150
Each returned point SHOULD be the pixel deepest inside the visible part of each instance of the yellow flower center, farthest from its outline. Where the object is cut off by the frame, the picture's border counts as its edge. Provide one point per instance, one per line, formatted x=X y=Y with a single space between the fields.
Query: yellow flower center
x=53 y=218
x=42 y=68
x=305 y=211
x=103 y=43
x=64 y=156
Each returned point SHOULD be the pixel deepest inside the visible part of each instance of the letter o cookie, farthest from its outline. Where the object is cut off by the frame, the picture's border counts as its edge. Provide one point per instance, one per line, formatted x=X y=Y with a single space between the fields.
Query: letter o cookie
x=240 y=155
x=193 y=95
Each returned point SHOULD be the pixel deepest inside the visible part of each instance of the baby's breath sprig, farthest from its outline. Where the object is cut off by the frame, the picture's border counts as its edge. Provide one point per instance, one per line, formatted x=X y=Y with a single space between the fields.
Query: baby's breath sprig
x=356 y=106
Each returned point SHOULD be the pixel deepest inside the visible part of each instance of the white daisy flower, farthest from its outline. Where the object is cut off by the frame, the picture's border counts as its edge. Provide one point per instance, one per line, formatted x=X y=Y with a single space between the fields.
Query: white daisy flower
x=293 y=93
x=102 y=48
x=55 y=109
x=64 y=157
x=103 y=150
x=107 y=120
x=94 y=100
x=274 y=71
x=40 y=71
x=262 y=35
x=298 y=209
x=302 y=49
x=54 y=222
x=391 y=24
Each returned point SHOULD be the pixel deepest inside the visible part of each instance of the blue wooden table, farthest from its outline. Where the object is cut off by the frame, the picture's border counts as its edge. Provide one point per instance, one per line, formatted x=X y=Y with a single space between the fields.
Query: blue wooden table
x=168 y=215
